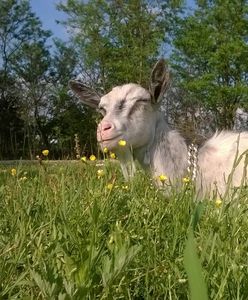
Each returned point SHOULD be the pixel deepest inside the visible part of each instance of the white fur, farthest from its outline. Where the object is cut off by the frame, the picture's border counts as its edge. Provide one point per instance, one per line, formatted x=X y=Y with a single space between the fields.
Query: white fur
x=219 y=156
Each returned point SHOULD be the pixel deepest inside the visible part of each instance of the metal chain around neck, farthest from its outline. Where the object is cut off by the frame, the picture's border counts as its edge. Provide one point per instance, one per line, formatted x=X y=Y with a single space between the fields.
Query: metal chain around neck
x=192 y=161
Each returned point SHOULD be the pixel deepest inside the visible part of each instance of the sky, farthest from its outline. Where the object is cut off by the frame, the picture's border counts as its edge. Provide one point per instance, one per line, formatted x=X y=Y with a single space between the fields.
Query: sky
x=48 y=14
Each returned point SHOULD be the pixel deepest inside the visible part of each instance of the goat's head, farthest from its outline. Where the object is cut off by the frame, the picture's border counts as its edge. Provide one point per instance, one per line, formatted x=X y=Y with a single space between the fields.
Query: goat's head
x=129 y=111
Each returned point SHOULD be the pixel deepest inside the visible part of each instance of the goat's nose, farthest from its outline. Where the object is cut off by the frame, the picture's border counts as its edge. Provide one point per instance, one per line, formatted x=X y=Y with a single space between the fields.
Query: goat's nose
x=105 y=126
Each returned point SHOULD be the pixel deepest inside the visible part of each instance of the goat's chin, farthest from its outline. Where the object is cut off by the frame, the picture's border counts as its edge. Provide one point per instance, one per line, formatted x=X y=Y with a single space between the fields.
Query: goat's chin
x=113 y=145
x=109 y=144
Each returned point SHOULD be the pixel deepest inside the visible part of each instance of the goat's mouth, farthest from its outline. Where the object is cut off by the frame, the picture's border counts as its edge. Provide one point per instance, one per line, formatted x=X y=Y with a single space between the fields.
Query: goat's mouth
x=101 y=139
x=111 y=142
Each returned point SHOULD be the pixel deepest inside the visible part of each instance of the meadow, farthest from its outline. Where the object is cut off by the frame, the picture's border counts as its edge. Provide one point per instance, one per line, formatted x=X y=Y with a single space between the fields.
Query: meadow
x=70 y=231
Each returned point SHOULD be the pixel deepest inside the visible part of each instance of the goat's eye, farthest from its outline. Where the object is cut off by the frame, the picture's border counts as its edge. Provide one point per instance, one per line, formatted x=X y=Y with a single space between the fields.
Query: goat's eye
x=121 y=105
x=142 y=100
x=102 y=111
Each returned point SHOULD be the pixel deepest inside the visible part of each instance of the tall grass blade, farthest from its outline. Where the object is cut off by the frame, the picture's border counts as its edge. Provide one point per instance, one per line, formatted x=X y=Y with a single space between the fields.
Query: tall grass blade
x=197 y=215
x=197 y=285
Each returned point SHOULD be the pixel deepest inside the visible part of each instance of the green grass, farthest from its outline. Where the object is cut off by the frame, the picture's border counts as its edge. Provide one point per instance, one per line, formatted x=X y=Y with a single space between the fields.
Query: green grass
x=65 y=235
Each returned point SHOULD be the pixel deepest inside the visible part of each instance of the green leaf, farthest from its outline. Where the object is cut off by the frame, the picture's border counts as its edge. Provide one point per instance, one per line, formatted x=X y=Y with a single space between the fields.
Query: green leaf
x=197 y=285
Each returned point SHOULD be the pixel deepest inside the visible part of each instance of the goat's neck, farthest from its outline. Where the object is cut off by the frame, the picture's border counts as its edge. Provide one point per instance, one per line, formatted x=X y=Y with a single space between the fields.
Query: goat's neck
x=126 y=159
x=166 y=153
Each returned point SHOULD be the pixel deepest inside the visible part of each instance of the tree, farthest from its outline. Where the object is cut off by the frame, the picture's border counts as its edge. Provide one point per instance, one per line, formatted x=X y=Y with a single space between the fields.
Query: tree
x=11 y=124
x=211 y=58
x=20 y=34
x=31 y=66
x=116 y=40
x=68 y=115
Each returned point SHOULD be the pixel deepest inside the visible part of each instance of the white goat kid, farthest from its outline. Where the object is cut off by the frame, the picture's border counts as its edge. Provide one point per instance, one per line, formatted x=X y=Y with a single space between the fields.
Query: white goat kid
x=131 y=113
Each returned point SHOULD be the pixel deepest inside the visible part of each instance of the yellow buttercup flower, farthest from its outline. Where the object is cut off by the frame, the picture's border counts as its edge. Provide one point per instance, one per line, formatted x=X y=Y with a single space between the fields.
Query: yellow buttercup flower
x=162 y=177
x=186 y=179
x=45 y=152
x=13 y=172
x=92 y=157
x=110 y=186
x=100 y=173
x=112 y=239
x=105 y=150
x=112 y=155
x=122 y=143
x=84 y=158
x=218 y=202
x=124 y=187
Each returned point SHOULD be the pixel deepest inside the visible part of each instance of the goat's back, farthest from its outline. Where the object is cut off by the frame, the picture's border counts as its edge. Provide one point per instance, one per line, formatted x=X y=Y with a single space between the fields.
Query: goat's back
x=217 y=157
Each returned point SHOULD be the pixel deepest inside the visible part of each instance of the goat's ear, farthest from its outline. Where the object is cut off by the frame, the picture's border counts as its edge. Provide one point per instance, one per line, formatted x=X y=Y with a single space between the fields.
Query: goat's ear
x=159 y=81
x=86 y=94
